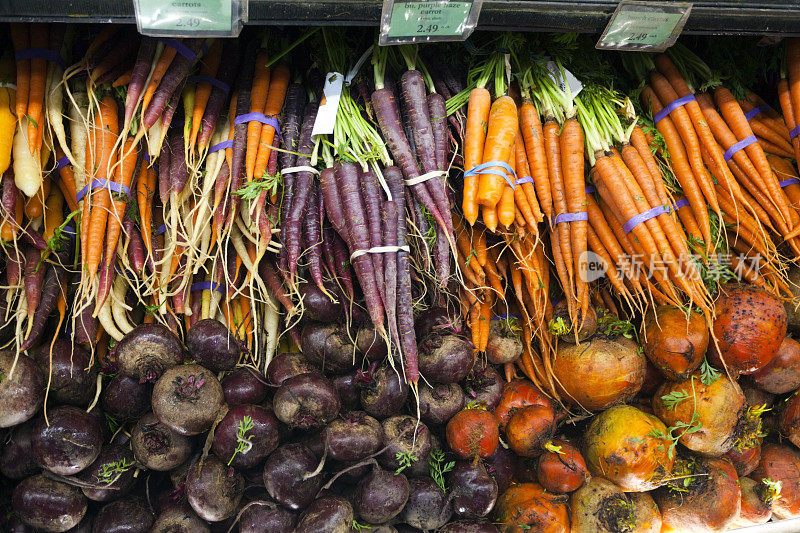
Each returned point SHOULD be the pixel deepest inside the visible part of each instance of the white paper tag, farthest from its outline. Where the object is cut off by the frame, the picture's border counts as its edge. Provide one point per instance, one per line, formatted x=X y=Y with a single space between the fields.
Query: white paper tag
x=326 y=115
x=575 y=86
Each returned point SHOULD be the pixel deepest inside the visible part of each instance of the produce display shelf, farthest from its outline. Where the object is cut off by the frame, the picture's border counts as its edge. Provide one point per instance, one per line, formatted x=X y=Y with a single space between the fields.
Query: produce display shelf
x=730 y=17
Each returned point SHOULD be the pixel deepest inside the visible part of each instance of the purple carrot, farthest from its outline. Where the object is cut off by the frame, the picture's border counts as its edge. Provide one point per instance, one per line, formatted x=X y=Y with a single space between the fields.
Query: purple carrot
x=221 y=200
x=34 y=276
x=177 y=72
x=269 y=274
x=135 y=244
x=333 y=205
x=423 y=229
x=266 y=220
x=33 y=237
x=125 y=47
x=416 y=101
x=389 y=221
x=15 y=262
x=438 y=112
x=8 y=201
x=327 y=246
x=405 y=303
x=116 y=71
x=342 y=262
x=141 y=69
x=292 y=120
x=164 y=163
x=301 y=191
x=371 y=193
x=172 y=107
x=178 y=170
x=54 y=283
x=105 y=279
x=85 y=326
x=348 y=176
x=312 y=233
x=385 y=107
x=197 y=305
x=216 y=101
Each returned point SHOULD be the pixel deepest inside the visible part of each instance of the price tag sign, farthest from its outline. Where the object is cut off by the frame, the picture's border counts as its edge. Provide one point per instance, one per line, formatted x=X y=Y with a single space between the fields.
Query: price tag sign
x=190 y=18
x=411 y=21
x=644 y=26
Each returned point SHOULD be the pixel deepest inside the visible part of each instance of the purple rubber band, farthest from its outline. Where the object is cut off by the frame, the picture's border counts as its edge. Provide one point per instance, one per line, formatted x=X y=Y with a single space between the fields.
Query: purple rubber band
x=787 y=182
x=570 y=217
x=147 y=158
x=221 y=146
x=104 y=184
x=69 y=230
x=672 y=107
x=181 y=48
x=589 y=189
x=747 y=141
x=262 y=118
x=221 y=85
x=504 y=317
x=206 y=286
x=40 y=53
x=161 y=229
x=644 y=217
x=683 y=202
x=794 y=132
x=756 y=111
x=61 y=163
x=525 y=179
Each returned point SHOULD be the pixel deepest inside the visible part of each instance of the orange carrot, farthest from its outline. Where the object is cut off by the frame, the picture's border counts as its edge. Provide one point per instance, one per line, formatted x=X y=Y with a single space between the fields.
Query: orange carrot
x=209 y=65
x=278 y=85
x=574 y=191
x=499 y=145
x=100 y=147
x=533 y=137
x=39 y=39
x=477 y=123
x=163 y=63
x=21 y=41
x=258 y=100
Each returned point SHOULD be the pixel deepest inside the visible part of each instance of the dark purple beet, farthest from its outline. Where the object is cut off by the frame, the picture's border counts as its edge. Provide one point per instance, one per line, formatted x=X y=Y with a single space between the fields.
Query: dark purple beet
x=111 y=473
x=435 y=319
x=306 y=401
x=158 y=447
x=347 y=388
x=128 y=515
x=211 y=344
x=213 y=489
x=404 y=434
x=474 y=490
x=380 y=496
x=125 y=398
x=383 y=393
x=22 y=393
x=438 y=404
x=47 y=504
x=244 y=385
x=147 y=351
x=70 y=443
x=370 y=344
x=283 y=476
x=179 y=519
x=259 y=441
x=288 y=365
x=70 y=382
x=330 y=514
x=469 y=526
x=352 y=437
x=328 y=346
x=501 y=465
x=84 y=526
x=484 y=385
x=427 y=507
x=445 y=358
x=16 y=457
x=317 y=306
x=264 y=515
x=187 y=398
